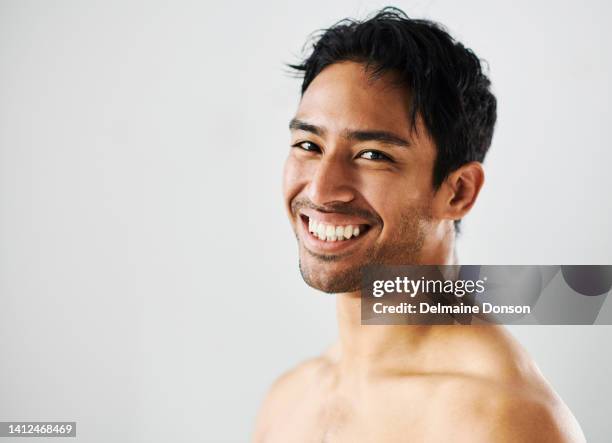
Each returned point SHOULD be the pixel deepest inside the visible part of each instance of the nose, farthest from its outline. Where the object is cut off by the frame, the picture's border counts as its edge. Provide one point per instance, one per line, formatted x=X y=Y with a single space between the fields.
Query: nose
x=331 y=182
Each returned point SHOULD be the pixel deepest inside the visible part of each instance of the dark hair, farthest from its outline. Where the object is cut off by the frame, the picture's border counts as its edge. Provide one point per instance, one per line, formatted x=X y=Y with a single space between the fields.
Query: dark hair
x=447 y=85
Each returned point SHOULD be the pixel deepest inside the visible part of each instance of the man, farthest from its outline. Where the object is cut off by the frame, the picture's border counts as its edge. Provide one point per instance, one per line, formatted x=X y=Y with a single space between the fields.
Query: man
x=387 y=143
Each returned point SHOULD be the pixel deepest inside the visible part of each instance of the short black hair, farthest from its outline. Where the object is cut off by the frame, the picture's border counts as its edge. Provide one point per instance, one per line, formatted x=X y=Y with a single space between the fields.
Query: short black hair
x=447 y=84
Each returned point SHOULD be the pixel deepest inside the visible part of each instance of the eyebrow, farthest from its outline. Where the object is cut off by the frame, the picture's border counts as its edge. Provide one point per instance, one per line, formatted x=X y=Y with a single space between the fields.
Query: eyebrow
x=358 y=135
x=300 y=125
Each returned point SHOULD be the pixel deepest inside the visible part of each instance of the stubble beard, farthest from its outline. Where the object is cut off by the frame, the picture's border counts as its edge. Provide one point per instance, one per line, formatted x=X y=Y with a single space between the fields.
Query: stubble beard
x=403 y=249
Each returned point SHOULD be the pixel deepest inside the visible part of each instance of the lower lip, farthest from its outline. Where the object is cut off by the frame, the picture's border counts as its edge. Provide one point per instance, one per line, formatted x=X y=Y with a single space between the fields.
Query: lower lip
x=315 y=244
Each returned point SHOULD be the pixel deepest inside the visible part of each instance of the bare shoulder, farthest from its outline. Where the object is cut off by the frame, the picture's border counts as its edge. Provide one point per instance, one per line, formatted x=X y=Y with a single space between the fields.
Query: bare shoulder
x=477 y=410
x=288 y=389
x=524 y=416
x=501 y=393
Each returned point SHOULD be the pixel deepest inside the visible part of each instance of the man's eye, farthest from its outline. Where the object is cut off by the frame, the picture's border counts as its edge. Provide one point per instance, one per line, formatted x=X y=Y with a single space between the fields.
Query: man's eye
x=307 y=146
x=374 y=155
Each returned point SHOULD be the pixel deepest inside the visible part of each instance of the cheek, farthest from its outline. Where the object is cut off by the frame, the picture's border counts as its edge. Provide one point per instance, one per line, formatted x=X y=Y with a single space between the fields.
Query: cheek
x=293 y=178
x=387 y=190
x=393 y=194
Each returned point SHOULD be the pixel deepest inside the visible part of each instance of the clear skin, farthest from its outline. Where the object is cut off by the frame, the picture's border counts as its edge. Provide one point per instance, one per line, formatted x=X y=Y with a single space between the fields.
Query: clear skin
x=354 y=159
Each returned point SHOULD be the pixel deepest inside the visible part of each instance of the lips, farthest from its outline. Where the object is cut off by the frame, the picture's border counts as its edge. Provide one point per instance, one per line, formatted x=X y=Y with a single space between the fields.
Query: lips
x=333 y=232
x=330 y=232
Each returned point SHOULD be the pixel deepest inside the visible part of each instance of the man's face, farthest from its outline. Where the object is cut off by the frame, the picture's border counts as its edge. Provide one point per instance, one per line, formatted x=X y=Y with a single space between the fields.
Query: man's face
x=357 y=181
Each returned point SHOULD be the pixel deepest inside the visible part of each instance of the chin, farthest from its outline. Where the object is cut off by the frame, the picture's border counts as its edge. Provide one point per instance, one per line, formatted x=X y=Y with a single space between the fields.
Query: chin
x=330 y=276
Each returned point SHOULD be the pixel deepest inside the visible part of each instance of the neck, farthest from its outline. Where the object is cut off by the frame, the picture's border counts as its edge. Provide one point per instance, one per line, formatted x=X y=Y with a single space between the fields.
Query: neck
x=366 y=349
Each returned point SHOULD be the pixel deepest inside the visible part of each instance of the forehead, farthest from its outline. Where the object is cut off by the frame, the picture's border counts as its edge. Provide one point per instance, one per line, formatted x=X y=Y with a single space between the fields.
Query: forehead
x=344 y=95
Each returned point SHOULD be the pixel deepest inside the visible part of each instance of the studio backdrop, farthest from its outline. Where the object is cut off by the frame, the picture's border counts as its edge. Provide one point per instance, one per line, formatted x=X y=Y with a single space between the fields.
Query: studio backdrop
x=149 y=288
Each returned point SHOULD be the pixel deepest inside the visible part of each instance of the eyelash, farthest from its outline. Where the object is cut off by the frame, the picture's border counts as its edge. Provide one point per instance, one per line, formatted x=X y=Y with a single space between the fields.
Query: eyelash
x=300 y=145
x=384 y=156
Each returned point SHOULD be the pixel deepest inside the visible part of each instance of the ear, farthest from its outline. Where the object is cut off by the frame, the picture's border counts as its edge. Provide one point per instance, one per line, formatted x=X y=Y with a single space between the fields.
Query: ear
x=458 y=193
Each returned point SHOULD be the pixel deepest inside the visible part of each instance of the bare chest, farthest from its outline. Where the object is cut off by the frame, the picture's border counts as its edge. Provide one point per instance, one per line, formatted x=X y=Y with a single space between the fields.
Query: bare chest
x=317 y=418
x=322 y=417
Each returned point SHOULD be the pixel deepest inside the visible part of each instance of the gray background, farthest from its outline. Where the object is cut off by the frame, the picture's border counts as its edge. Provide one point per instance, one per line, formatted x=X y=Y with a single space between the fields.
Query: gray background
x=149 y=286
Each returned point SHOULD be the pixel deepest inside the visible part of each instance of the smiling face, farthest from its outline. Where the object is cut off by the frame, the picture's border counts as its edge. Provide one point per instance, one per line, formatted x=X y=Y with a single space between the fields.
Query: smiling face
x=358 y=181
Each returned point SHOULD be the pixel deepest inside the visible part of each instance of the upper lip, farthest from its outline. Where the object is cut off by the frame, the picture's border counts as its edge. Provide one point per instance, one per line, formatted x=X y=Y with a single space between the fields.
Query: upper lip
x=333 y=218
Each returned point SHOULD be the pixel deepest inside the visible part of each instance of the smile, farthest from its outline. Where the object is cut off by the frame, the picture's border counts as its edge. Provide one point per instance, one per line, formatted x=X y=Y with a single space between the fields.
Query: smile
x=333 y=231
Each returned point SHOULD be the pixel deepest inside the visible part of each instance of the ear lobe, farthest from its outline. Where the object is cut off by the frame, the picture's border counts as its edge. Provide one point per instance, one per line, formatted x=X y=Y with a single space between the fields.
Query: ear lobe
x=464 y=185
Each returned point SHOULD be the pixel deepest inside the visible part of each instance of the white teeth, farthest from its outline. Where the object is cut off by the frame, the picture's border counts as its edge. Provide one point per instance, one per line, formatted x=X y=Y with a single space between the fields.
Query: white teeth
x=321 y=231
x=348 y=231
x=331 y=232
